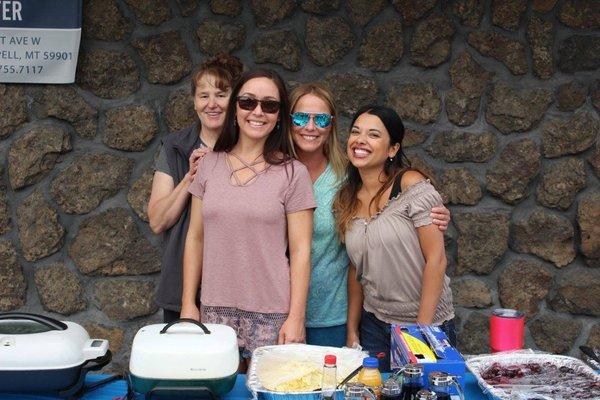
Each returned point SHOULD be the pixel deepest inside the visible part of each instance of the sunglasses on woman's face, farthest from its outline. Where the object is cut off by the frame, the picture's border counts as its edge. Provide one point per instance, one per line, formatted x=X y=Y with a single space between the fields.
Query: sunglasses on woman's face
x=249 y=104
x=300 y=119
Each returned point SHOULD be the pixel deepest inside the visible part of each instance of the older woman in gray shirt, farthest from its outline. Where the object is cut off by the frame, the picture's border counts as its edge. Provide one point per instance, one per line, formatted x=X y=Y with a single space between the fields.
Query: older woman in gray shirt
x=397 y=254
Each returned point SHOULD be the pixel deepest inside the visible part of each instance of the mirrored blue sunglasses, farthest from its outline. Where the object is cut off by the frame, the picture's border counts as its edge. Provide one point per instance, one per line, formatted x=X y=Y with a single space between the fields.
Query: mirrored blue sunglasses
x=301 y=119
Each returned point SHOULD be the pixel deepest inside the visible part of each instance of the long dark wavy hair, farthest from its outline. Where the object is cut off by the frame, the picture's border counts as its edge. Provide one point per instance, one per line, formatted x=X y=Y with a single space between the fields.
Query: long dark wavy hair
x=278 y=148
x=346 y=202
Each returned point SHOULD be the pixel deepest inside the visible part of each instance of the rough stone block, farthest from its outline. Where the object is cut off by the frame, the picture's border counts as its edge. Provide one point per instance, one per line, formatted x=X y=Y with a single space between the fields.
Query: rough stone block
x=111 y=244
x=523 y=285
x=482 y=240
x=509 y=177
x=545 y=234
x=32 y=156
x=40 y=231
x=60 y=289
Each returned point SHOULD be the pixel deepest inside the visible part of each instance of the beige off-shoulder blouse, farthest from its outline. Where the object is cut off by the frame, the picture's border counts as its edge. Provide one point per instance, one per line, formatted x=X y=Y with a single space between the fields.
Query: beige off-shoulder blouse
x=388 y=257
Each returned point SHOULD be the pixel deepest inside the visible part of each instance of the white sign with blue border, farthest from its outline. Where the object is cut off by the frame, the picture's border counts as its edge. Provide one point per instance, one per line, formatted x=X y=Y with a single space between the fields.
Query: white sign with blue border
x=39 y=40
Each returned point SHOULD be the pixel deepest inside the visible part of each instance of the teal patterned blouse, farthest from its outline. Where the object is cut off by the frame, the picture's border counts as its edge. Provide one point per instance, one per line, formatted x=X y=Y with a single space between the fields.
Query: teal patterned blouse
x=328 y=292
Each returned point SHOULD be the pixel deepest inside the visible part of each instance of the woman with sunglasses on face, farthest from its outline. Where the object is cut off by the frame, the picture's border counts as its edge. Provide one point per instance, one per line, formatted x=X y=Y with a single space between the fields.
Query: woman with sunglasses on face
x=398 y=259
x=175 y=168
x=317 y=146
x=251 y=202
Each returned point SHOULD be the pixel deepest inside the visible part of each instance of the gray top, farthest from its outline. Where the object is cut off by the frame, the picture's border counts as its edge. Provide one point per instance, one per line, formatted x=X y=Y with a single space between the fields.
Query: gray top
x=388 y=257
x=161 y=163
x=174 y=161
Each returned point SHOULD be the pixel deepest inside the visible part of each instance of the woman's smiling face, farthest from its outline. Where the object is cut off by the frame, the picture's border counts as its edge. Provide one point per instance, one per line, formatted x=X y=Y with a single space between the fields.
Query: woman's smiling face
x=210 y=102
x=369 y=143
x=256 y=123
x=310 y=138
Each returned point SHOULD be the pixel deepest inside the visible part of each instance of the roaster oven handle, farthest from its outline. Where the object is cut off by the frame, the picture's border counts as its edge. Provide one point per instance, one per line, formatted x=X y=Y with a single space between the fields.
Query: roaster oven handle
x=47 y=321
x=191 y=321
x=76 y=390
x=97 y=363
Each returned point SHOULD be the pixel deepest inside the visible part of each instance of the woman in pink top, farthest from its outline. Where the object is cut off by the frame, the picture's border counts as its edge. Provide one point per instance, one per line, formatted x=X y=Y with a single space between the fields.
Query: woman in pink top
x=251 y=202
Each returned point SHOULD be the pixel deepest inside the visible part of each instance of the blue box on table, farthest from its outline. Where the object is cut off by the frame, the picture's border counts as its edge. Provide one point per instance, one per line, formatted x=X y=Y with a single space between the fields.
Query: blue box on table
x=426 y=345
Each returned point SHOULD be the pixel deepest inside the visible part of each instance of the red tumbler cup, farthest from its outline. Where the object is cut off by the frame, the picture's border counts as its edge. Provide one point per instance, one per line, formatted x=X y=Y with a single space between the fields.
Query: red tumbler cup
x=507 y=330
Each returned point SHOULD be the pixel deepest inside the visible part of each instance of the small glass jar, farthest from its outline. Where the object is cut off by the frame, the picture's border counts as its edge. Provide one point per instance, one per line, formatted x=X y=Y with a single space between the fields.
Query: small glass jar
x=441 y=383
x=412 y=380
x=425 y=394
x=357 y=391
x=391 y=390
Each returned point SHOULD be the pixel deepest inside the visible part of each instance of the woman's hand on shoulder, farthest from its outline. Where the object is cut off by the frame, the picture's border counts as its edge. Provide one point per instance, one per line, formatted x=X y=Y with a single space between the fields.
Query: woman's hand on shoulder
x=440 y=216
x=194 y=160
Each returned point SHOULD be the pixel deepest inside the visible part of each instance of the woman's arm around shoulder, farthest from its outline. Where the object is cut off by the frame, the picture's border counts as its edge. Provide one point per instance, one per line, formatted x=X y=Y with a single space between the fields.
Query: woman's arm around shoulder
x=440 y=215
x=168 y=201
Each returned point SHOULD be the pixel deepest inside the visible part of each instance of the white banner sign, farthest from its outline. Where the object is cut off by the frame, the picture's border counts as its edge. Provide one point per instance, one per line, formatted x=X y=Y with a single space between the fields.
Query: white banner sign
x=39 y=40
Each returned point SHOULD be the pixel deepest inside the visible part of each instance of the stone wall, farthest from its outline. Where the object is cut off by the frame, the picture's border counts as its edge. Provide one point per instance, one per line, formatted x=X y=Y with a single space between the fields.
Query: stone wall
x=501 y=100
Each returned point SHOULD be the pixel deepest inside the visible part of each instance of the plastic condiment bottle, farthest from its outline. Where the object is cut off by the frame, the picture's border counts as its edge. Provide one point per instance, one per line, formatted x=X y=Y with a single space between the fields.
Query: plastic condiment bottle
x=370 y=375
x=329 y=381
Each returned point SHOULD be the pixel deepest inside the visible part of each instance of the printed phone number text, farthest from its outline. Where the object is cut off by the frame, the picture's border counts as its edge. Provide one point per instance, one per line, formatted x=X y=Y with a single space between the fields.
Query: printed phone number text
x=21 y=69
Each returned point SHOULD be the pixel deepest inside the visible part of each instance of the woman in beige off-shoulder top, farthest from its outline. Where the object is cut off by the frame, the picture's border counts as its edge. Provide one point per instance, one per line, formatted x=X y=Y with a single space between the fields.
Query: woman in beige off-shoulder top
x=397 y=254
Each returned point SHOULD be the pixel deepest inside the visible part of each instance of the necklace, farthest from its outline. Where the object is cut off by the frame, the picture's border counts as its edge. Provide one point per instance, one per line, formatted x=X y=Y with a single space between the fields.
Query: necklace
x=203 y=141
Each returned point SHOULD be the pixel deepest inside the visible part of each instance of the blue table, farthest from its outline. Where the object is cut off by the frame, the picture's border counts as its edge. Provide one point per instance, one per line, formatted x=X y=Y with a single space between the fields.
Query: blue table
x=116 y=390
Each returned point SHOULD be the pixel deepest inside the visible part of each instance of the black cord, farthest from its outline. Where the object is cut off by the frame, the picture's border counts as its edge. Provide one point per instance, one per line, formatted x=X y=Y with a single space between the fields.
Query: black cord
x=101 y=382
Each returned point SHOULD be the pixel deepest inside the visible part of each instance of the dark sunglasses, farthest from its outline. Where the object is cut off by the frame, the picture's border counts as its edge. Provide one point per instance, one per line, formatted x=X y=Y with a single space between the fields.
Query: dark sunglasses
x=301 y=119
x=249 y=104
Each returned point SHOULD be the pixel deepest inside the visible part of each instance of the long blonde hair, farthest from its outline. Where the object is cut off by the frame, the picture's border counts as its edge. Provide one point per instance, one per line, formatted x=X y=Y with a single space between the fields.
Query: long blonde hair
x=333 y=148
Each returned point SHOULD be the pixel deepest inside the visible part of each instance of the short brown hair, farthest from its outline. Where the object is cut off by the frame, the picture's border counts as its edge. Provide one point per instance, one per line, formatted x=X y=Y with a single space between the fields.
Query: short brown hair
x=225 y=68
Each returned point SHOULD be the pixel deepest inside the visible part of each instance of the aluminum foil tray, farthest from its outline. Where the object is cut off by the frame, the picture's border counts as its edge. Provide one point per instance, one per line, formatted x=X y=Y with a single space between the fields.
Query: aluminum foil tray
x=269 y=356
x=560 y=377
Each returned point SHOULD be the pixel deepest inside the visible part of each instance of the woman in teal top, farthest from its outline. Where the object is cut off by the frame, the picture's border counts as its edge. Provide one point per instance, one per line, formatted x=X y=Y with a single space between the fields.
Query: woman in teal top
x=317 y=146
x=328 y=290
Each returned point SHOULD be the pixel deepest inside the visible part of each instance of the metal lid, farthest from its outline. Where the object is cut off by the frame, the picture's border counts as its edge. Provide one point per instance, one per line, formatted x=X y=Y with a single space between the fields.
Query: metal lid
x=439 y=378
x=425 y=394
x=507 y=313
x=391 y=387
x=413 y=370
x=355 y=388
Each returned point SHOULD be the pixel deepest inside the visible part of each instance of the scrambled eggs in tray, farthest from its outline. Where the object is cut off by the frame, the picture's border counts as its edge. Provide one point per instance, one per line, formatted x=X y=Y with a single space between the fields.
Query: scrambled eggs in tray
x=296 y=368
